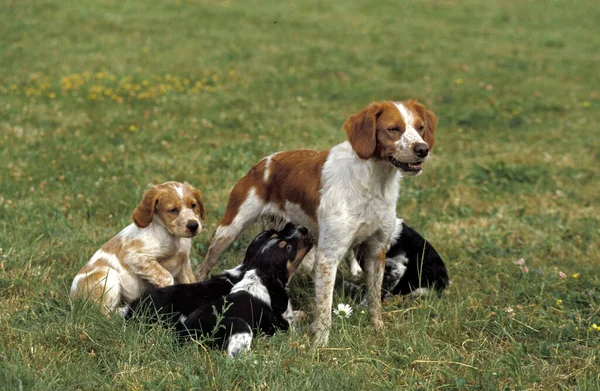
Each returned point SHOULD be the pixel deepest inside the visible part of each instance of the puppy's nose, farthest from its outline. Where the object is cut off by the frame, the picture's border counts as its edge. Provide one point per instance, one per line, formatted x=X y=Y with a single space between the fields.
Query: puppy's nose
x=192 y=226
x=421 y=149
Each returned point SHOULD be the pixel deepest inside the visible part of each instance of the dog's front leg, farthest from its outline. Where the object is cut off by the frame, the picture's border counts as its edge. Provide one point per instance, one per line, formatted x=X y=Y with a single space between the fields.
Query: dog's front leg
x=151 y=271
x=325 y=271
x=186 y=275
x=374 y=252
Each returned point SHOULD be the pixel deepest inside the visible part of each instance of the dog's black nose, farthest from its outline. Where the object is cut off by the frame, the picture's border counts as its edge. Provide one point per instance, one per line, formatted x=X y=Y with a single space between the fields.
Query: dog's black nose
x=421 y=149
x=192 y=226
x=303 y=231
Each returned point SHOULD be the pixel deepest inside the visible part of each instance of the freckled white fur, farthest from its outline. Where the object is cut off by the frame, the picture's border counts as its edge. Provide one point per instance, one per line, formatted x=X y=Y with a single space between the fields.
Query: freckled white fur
x=252 y=284
x=126 y=279
x=409 y=137
x=239 y=343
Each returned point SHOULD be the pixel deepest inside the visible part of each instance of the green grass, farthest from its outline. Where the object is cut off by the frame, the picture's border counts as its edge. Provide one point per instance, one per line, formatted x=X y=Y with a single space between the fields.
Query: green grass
x=99 y=99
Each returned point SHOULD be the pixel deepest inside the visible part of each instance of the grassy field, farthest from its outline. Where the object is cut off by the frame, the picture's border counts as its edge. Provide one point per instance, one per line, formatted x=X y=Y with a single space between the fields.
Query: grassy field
x=99 y=99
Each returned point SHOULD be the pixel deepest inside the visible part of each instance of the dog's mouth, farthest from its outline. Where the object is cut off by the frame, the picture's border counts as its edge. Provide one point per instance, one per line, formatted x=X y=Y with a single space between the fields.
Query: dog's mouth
x=412 y=168
x=305 y=243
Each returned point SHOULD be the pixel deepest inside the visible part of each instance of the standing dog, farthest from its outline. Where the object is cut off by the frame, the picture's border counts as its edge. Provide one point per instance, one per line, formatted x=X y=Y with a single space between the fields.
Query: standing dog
x=345 y=196
x=153 y=251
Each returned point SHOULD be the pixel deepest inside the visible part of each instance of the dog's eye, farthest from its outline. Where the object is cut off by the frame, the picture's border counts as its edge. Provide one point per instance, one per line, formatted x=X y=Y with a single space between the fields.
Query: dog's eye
x=173 y=210
x=394 y=129
x=193 y=206
x=289 y=247
x=421 y=128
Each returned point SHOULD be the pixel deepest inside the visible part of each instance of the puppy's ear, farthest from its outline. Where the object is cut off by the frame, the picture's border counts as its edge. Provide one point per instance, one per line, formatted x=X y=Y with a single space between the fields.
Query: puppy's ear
x=198 y=196
x=361 y=129
x=142 y=215
x=429 y=118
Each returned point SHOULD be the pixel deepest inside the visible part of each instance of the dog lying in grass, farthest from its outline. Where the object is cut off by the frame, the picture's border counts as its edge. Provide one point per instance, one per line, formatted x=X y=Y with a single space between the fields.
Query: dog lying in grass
x=412 y=266
x=230 y=307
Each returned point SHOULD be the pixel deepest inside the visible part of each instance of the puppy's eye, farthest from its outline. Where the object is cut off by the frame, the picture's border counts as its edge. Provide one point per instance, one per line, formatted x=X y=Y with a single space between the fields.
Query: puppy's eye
x=193 y=206
x=394 y=129
x=173 y=210
x=289 y=247
x=421 y=128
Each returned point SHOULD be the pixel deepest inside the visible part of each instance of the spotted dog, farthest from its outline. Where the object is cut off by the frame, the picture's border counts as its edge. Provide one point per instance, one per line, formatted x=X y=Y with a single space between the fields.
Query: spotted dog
x=153 y=251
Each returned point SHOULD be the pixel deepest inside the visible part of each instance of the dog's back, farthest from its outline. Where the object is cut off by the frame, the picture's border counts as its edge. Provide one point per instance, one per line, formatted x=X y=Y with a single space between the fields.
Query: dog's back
x=412 y=265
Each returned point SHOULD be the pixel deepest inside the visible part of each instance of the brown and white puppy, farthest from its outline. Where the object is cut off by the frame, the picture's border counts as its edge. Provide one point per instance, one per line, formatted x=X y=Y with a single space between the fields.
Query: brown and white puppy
x=154 y=251
x=346 y=197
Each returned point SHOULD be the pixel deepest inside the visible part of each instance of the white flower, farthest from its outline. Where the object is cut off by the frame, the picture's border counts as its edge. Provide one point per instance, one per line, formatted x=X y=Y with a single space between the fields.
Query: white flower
x=343 y=310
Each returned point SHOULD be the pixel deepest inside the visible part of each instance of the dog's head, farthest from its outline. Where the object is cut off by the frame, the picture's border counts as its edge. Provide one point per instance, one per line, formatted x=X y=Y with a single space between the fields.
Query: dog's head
x=278 y=254
x=176 y=206
x=400 y=133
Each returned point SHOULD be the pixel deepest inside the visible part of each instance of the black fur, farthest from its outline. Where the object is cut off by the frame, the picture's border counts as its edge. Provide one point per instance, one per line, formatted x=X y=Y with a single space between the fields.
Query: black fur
x=169 y=303
x=425 y=267
x=269 y=271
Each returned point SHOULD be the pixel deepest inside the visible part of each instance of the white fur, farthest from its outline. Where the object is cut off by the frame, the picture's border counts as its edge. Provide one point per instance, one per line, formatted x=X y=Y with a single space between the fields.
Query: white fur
x=126 y=274
x=239 y=343
x=410 y=136
x=179 y=190
x=357 y=207
x=267 y=173
x=252 y=284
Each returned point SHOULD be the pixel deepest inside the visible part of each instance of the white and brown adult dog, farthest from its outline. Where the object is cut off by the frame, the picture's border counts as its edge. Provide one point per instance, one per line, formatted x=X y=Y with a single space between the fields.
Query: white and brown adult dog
x=154 y=251
x=345 y=196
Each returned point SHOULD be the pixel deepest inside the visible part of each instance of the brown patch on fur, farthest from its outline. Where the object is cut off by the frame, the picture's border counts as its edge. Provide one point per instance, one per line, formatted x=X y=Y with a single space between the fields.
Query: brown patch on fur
x=142 y=215
x=295 y=176
x=240 y=191
x=361 y=129
x=88 y=267
x=113 y=246
x=425 y=118
x=197 y=195
x=382 y=257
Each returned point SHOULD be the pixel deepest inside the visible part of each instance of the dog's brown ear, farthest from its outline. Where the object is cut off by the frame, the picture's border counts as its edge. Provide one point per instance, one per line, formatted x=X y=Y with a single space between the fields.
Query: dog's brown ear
x=429 y=118
x=198 y=196
x=142 y=215
x=361 y=129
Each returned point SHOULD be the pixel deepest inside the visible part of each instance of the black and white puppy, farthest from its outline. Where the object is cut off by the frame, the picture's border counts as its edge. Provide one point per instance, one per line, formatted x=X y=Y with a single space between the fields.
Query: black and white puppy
x=169 y=303
x=258 y=302
x=412 y=266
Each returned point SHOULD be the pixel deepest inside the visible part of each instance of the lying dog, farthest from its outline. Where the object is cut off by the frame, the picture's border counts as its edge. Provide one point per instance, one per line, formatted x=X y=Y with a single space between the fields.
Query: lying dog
x=229 y=307
x=153 y=251
x=412 y=265
x=169 y=303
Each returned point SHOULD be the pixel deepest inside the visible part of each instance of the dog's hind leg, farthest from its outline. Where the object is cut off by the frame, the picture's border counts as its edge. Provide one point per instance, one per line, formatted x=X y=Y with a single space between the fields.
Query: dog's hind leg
x=241 y=212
